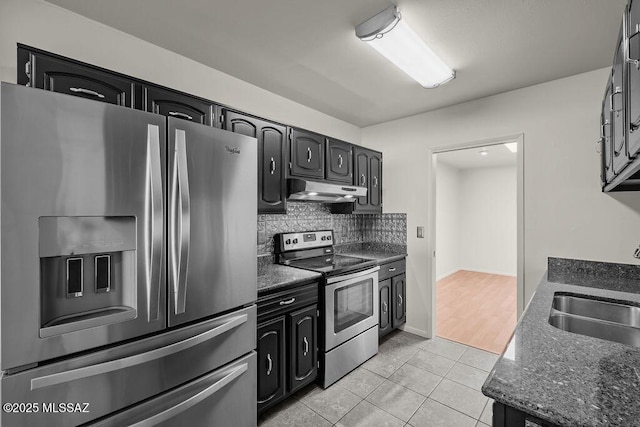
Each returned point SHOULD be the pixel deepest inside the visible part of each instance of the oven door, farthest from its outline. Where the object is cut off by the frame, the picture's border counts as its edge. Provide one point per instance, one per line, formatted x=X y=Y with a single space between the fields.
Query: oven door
x=351 y=306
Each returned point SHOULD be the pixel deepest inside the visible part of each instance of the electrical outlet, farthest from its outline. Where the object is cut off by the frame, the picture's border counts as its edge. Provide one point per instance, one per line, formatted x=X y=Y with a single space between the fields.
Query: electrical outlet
x=636 y=253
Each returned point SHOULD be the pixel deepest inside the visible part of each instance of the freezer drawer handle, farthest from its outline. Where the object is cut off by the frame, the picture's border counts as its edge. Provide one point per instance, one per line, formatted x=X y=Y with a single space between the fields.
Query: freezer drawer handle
x=180 y=224
x=181 y=115
x=194 y=400
x=153 y=223
x=138 y=359
x=86 y=92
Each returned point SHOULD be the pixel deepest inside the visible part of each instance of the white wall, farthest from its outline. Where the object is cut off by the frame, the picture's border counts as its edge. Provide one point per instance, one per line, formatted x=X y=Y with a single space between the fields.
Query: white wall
x=565 y=213
x=45 y=26
x=487 y=220
x=447 y=220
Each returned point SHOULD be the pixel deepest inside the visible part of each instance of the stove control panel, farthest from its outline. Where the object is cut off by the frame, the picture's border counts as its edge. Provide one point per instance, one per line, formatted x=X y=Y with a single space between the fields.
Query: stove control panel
x=307 y=240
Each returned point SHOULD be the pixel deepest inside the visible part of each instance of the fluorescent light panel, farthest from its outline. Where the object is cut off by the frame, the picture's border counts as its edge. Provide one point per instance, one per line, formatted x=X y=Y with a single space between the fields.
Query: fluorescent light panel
x=512 y=146
x=405 y=49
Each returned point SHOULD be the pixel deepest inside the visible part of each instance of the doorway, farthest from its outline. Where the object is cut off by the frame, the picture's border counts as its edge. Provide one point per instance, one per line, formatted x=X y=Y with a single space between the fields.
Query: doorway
x=477 y=239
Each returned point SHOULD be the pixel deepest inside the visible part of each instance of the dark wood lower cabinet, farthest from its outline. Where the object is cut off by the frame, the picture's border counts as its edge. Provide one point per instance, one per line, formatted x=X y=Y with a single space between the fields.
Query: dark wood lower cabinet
x=271 y=363
x=303 y=365
x=507 y=416
x=392 y=289
x=287 y=343
x=384 y=326
x=398 y=292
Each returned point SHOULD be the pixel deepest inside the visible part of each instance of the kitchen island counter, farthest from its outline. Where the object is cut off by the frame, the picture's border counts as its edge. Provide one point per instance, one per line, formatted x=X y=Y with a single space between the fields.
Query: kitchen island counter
x=564 y=378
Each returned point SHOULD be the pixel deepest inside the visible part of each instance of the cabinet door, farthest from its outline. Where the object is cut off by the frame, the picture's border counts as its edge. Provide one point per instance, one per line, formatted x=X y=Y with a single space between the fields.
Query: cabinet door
x=175 y=104
x=306 y=154
x=339 y=163
x=271 y=158
x=303 y=367
x=361 y=176
x=59 y=75
x=384 y=325
x=271 y=363
x=398 y=289
x=375 y=182
x=634 y=78
x=605 y=137
x=620 y=155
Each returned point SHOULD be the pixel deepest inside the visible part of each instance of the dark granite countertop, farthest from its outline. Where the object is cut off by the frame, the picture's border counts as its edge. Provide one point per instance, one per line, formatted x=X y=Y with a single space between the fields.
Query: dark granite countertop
x=273 y=276
x=380 y=252
x=565 y=378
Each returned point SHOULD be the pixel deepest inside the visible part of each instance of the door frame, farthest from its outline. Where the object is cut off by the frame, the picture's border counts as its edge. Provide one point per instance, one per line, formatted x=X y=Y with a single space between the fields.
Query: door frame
x=431 y=232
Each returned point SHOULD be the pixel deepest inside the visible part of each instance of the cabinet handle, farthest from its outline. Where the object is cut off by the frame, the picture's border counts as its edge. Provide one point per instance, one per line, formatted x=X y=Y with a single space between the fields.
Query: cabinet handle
x=287 y=302
x=400 y=298
x=339 y=160
x=627 y=40
x=306 y=346
x=308 y=155
x=181 y=115
x=270 y=362
x=363 y=180
x=273 y=166
x=86 y=91
x=617 y=91
x=384 y=306
x=391 y=269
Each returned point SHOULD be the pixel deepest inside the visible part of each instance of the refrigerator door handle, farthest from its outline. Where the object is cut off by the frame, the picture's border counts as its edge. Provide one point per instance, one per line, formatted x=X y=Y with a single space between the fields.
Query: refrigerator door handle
x=193 y=400
x=138 y=359
x=153 y=222
x=180 y=225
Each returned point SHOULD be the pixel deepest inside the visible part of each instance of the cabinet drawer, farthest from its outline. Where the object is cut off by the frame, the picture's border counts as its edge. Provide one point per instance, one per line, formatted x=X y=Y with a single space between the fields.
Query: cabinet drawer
x=286 y=301
x=392 y=269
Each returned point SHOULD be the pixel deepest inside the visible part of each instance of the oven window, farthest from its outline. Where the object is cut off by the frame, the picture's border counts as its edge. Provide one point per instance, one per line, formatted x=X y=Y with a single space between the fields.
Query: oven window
x=352 y=304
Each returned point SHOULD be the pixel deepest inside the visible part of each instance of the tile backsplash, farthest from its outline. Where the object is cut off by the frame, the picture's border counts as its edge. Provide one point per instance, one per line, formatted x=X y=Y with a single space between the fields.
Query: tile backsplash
x=305 y=216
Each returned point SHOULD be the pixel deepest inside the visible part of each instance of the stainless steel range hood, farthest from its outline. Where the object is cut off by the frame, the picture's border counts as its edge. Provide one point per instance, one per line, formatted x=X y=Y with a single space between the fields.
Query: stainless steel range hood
x=315 y=191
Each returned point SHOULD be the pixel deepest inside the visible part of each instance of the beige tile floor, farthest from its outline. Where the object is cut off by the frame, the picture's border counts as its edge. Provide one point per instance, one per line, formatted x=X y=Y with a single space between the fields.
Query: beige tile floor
x=412 y=381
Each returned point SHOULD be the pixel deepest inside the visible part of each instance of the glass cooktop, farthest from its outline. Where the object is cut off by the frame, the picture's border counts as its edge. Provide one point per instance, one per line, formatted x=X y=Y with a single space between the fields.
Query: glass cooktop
x=333 y=264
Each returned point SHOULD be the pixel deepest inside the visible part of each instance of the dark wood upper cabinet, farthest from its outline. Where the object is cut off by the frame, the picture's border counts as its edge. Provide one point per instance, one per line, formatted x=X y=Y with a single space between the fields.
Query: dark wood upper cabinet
x=339 y=164
x=58 y=75
x=633 y=110
x=175 y=104
x=271 y=157
x=375 y=182
x=306 y=154
x=304 y=360
x=271 y=363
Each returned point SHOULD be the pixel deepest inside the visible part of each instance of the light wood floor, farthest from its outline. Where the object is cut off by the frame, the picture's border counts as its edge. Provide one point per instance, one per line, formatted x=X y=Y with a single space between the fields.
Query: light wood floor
x=477 y=309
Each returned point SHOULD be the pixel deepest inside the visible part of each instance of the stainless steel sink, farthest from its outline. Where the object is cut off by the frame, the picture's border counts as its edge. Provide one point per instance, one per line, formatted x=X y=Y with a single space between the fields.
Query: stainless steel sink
x=617 y=321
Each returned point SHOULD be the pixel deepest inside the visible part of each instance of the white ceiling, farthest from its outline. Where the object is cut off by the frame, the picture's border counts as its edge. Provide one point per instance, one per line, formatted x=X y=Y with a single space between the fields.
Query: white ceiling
x=306 y=50
x=470 y=158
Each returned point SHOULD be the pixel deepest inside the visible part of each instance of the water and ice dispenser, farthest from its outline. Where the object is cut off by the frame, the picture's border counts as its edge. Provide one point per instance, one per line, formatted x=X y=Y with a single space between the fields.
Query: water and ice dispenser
x=87 y=272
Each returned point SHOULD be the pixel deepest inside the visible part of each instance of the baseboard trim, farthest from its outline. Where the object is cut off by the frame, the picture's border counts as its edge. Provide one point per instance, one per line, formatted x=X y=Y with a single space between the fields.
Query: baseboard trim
x=444 y=276
x=497 y=273
x=416 y=331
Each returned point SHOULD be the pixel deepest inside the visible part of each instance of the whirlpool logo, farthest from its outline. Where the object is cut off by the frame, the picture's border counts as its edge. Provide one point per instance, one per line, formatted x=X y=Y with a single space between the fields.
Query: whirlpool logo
x=232 y=150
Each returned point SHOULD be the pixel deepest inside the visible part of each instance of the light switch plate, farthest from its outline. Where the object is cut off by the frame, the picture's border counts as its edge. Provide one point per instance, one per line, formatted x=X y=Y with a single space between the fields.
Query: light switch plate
x=421 y=232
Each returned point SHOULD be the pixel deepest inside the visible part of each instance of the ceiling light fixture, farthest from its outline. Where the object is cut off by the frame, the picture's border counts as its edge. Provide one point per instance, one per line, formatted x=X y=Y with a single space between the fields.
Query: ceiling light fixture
x=483 y=152
x=387 y=33
x=512 y=146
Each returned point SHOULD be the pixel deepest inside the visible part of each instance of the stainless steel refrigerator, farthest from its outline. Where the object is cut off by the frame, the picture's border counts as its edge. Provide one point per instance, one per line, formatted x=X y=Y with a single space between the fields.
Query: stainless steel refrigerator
x=127 y=266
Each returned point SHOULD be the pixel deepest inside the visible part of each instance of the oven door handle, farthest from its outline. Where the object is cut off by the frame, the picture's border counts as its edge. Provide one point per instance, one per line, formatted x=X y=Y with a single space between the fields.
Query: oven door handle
x=342 y=278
